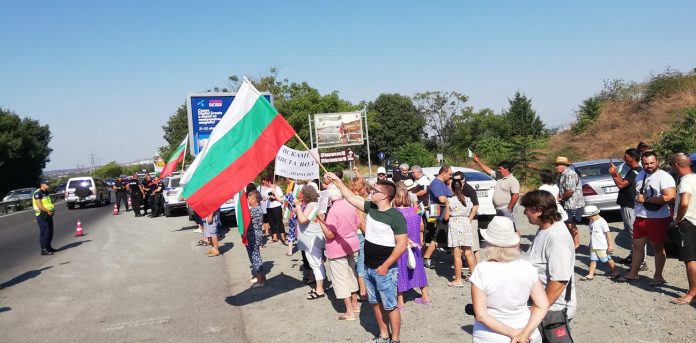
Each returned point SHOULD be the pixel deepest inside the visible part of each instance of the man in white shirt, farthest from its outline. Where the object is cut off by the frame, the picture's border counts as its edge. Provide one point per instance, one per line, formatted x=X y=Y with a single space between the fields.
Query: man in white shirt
x=685 y=217
x=655 y=188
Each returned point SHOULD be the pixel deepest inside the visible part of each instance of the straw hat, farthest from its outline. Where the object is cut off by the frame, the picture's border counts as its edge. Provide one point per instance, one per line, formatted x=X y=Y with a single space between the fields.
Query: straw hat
x=501 y=233
x=562 y=160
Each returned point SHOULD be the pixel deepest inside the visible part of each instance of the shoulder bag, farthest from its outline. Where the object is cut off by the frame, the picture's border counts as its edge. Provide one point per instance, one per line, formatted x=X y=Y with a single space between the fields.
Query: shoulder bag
x=649 y=207
x=554 y=327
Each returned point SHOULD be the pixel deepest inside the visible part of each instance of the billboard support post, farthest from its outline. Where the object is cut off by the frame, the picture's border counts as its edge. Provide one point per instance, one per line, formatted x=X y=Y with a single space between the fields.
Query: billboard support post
x=367 y=140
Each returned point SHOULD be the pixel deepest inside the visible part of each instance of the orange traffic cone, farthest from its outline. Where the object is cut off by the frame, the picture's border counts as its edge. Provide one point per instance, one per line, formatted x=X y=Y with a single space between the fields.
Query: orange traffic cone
x=78 y=229
x=115 y=209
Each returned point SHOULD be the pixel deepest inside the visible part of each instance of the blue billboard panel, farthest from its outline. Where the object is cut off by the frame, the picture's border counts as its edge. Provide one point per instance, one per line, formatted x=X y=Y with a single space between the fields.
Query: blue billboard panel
x=205 y=110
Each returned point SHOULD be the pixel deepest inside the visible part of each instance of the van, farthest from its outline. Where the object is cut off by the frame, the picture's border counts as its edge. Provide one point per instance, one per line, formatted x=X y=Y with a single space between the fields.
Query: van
x=86 y=190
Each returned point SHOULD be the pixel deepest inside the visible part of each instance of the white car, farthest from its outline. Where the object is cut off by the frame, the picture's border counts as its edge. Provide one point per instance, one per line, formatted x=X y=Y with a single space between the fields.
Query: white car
x=482 y=183
x=86 y=189
x=19 y=194
x=172 y=195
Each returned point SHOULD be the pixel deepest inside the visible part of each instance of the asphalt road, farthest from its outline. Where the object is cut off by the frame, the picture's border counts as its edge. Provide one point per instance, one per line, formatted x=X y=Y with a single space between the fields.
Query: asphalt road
x=19 y=237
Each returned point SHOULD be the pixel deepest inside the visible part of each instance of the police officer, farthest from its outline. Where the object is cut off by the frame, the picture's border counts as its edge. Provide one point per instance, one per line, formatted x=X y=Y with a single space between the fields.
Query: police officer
x=44 y=209
x=136 y=193
x=157 y=199
x=120 y=188
x=147 y=193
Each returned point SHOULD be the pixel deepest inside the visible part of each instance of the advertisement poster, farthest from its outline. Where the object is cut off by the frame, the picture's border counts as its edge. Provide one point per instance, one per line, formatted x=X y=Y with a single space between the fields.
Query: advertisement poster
x=204 y=112
x=338 y=129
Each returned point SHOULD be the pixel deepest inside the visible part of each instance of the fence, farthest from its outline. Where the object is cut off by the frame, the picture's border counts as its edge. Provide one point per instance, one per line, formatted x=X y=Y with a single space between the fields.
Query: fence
x=7 y=207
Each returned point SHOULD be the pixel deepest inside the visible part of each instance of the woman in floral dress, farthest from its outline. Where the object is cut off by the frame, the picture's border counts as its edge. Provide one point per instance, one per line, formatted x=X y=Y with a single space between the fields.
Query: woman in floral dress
x=460 y=212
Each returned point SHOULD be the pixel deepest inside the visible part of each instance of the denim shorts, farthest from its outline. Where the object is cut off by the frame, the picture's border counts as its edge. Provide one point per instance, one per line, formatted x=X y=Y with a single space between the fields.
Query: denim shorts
x=382 y=288
x=360 y=262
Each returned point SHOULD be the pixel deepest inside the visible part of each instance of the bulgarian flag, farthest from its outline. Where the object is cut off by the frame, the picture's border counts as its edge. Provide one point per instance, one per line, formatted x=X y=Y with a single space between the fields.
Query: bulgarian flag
x=245 y=140
x=313 y=214
x=174 y=160
x=243 y=215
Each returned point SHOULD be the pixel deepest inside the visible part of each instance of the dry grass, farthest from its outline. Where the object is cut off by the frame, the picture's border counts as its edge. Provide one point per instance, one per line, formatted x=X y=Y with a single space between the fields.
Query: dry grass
x=622 y=125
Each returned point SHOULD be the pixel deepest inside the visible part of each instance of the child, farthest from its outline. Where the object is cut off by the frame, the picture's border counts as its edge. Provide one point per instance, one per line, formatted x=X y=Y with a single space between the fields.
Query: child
x=601 y=243
x=210 y=225
x=255 y=238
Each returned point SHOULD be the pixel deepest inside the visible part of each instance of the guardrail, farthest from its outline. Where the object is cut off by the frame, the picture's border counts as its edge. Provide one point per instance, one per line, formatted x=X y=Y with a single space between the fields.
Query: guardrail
x=7 y=207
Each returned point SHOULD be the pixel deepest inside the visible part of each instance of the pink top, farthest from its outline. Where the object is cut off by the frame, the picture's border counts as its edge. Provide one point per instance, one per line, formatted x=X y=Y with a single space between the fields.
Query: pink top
x=343 y=221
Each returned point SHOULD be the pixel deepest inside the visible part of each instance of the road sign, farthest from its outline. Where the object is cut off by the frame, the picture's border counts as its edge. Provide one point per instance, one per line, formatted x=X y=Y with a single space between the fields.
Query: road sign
x=346 y=155
x=381 y=155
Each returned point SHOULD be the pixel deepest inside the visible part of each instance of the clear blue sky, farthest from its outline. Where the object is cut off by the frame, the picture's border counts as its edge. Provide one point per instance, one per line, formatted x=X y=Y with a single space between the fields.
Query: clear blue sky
x=117 y=70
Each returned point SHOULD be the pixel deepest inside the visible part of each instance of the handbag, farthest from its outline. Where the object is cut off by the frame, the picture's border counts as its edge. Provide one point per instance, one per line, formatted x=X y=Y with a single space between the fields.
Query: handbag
x=554 y=327
x=649 y=207
x=411 y=264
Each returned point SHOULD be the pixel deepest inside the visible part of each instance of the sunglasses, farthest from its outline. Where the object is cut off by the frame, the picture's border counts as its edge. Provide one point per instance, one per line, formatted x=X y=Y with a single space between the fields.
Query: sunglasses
x=375 y=190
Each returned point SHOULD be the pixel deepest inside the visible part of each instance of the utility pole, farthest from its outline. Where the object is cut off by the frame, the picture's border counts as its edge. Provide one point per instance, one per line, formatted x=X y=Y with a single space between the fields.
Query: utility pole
x=91 y=159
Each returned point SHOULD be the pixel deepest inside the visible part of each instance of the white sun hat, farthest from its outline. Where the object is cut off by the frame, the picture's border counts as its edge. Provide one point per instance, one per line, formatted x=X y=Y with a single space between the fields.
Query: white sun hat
x=501 y=233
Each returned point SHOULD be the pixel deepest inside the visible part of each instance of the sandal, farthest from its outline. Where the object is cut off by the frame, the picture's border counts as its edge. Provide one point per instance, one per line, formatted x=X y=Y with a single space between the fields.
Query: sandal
x=655 y=283
x=315 y=296
x=623 y=279
x=455 y=285
x=614 y=276
x=343 y=317
x=257 y=285
x=586 y=278
x=202 y=243
x=420 y=301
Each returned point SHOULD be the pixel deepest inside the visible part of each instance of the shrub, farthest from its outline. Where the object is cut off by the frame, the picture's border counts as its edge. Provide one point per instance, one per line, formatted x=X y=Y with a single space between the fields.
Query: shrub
x=586 y=114
x=680 y=138
x=415 y=153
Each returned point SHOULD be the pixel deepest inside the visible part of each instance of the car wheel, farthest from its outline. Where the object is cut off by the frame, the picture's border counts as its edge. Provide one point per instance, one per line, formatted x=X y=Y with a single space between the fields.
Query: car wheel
x=167 y=212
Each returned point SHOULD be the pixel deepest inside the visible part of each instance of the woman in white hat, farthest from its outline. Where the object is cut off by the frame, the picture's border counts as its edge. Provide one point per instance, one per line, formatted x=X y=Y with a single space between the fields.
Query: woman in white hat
x=501 y=285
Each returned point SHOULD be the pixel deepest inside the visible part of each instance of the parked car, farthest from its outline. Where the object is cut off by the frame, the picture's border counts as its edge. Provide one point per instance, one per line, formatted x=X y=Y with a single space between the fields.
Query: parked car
x=482 y=183
x=598 y=187
x=19 y=194
x=227 y=210
x=85 y=190
x=172 y=193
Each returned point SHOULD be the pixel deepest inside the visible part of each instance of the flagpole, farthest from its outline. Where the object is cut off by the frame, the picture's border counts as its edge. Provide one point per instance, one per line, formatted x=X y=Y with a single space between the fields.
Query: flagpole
x=314 y=157
x=183 y=161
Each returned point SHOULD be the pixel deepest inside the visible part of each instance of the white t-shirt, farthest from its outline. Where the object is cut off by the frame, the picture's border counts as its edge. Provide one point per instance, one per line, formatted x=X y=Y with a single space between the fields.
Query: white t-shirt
x=423 y=181
x=507 y=287
x=598 y=239
x=656 y=183
x=553 y=254
x=687 y=184
x=267 y=203
x=553 y=189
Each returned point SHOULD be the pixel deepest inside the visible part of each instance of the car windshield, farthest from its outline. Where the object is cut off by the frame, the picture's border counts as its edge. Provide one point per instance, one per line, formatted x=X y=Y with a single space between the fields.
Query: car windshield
x=26 y=191
x=173 y=183
x=597 y=170
x=476 y=176
x=80 y=183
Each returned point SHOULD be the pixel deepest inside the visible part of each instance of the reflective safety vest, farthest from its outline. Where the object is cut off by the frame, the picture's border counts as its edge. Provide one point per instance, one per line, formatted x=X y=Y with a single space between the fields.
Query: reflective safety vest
x=45 y=201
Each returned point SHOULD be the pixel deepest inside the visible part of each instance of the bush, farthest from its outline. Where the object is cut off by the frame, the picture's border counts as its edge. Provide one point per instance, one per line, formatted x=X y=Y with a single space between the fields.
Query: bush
x=415 y=153
x=680 y=138
x=586 y=114
x=667 y=83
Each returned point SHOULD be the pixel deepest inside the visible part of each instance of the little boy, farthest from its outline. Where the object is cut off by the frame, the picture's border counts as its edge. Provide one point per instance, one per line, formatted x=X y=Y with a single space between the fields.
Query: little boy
x=255 y=238
x=601 y=243
x=210 y=226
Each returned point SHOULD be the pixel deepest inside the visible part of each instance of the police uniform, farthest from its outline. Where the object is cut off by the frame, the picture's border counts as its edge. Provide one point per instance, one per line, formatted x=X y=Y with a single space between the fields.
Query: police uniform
x=44 y=219
x=147 y=184
x=136 y=195
x=157 y=199
x=120 y=188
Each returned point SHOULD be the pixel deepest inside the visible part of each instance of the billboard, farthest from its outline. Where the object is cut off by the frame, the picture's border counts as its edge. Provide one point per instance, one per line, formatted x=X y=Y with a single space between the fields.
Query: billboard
x=204 y=112
x=338 y=129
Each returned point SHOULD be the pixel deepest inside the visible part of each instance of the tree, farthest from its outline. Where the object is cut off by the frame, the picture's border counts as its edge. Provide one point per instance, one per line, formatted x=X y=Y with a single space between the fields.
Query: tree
x=437 y=109
x=680 y=138
x=109 y=170
x=24 y=151
x=472 y=127
x=589 y=110
x=174 y=132
x=522 y=119
x=415 y=153
x=393 y=122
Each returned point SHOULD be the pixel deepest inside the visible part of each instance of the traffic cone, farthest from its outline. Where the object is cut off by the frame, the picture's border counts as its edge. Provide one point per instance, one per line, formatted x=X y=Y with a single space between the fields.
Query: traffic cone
x=78 y=229
x=115 y=209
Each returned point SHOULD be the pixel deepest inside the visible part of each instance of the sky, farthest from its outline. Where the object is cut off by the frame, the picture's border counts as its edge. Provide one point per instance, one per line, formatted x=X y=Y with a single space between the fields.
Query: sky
x=106 y=75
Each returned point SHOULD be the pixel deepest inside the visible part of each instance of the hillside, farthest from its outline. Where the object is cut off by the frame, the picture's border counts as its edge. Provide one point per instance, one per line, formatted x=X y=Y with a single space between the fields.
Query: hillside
x=622 y=124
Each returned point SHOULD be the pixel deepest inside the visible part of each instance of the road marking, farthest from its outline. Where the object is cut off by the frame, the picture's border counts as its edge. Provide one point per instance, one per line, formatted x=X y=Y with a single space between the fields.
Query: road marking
x=136 y=323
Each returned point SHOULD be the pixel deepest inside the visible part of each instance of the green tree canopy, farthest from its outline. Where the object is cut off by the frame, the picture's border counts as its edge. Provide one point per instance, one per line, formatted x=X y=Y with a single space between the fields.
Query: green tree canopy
x=438 y=109
x=415 y=153
x=522 y=119
x=24 y=151
x=393 y=122
x=109 y=170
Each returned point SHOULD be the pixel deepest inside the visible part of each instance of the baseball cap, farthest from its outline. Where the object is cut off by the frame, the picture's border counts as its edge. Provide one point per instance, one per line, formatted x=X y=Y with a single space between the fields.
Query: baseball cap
x=45 y=182
x=381 y=170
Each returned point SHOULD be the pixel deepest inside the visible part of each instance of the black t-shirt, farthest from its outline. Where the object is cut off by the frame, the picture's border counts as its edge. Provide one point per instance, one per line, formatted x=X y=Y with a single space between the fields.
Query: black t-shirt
x=134 y=185
x=627 y=195
x=396 y=176
x=120 y=186
x=157 y=187
x=470 y=193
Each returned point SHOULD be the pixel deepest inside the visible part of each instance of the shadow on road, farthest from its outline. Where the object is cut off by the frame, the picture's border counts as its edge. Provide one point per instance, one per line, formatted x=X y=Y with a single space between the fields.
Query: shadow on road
x=186 y=228
x=276 y=285
x=5 y=309
x=226 y=247
x=72 y=245
x=24 y=277
x=468 y=328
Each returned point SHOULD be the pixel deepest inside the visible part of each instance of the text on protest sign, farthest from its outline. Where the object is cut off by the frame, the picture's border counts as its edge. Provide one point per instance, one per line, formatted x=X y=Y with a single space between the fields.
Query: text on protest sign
x=296 y=164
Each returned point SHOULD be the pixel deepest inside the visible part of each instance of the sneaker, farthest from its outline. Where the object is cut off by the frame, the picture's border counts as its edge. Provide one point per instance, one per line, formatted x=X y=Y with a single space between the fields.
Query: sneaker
x=428 y=263
x=378 y=339
x=644 y=267
x=198 y=231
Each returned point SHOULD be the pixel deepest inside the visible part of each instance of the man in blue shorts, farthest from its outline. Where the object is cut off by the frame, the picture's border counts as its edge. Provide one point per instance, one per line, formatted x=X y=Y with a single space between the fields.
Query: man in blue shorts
x=385 y=241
